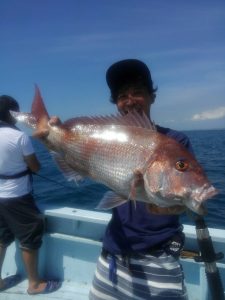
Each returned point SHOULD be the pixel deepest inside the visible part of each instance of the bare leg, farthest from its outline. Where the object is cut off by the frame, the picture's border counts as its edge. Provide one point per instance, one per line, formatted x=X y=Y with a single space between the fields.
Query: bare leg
x=30 y=258
x=2 y=256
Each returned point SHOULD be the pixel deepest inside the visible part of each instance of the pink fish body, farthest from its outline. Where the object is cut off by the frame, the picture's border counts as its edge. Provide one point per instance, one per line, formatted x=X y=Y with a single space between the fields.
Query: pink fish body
x=128 y=155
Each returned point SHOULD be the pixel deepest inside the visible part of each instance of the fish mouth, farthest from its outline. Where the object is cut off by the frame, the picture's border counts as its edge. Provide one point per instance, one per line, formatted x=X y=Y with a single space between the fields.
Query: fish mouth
x=192 y=199
x=204 y=193
x=198 y=196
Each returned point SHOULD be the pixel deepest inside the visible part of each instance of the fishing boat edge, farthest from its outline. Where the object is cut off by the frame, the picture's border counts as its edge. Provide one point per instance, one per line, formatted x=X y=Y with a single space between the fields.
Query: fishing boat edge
x=71 y=247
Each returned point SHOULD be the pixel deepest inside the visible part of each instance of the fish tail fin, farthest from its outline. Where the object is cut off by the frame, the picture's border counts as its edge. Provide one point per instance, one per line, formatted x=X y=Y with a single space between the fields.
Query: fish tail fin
x=38 y=118
x=39 y=111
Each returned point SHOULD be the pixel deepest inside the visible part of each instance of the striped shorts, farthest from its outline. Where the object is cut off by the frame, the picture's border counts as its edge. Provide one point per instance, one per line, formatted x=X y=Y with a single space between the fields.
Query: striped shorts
x=143 y=276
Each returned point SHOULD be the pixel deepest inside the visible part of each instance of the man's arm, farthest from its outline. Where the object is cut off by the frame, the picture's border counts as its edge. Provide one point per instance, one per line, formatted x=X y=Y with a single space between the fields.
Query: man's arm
x=32 y=162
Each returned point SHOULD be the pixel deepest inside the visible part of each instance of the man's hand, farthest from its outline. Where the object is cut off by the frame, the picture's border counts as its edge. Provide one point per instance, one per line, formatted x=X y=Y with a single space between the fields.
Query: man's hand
x=32 y=162
x=172 y=210
x=43 y=132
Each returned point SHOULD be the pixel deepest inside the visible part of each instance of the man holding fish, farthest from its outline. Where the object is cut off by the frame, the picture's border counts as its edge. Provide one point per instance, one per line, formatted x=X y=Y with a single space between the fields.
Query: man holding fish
x=140 y=256
x=152 y=175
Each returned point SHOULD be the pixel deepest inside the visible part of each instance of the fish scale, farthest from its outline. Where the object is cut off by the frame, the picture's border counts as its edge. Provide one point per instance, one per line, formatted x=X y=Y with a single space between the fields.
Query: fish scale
x=111 y=153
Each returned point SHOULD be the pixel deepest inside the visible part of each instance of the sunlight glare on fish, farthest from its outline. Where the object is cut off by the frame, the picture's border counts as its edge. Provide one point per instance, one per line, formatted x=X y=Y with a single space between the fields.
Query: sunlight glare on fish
x=78 y=127
x=109 y=135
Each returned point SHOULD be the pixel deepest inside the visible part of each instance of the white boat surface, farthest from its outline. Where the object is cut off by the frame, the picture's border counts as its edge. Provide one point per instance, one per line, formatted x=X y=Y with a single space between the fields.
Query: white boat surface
x=71 y=247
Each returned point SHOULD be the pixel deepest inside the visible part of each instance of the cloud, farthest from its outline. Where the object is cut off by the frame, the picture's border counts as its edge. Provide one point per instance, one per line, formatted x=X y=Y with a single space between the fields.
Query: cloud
x=213 y=114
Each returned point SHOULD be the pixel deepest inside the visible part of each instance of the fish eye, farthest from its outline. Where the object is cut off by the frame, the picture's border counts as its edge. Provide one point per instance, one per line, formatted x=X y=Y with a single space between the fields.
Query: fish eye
x=182 y=165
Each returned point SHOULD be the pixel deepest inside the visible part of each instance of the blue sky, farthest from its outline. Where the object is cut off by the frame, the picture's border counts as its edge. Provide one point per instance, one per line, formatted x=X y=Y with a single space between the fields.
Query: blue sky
x=66 y=46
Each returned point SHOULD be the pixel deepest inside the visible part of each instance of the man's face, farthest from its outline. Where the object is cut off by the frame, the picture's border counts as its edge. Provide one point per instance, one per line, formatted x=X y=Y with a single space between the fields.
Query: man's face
x=134 y=98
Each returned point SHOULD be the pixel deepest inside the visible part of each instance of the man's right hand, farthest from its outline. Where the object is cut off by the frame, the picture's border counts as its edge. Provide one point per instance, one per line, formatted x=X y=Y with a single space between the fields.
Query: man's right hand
x=173 y=210
x=41 y=132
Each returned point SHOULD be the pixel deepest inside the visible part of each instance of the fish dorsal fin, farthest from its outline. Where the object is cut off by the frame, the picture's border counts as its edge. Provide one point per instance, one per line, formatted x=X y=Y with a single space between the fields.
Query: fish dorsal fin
x=133 y=119
x=38 y=108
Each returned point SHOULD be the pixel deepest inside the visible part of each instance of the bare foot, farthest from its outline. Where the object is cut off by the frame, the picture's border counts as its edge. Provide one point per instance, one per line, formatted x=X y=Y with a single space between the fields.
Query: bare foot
x=43 y=287
x=35 y=288
x=9 y=282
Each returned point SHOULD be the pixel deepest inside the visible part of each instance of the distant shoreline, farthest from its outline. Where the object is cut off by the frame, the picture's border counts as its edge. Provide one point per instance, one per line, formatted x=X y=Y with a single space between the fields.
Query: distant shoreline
x=212 y=129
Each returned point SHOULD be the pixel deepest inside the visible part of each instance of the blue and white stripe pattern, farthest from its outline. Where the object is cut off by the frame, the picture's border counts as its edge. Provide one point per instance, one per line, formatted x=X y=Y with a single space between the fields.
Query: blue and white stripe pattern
x=143 y=277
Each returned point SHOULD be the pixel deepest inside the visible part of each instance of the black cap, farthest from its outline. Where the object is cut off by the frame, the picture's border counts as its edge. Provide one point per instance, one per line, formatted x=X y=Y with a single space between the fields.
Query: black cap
x=7 y=103
x=128 y=71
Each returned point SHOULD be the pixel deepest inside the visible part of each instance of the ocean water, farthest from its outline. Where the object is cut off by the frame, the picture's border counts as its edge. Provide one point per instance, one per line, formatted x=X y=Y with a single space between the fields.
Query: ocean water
x=209 y=148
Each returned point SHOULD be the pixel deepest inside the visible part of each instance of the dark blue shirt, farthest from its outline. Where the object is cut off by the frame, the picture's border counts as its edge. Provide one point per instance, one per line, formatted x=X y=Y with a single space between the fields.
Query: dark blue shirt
x=135 y=229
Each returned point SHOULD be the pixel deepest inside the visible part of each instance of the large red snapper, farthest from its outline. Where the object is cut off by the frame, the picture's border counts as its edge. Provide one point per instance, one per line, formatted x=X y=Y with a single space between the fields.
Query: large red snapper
x=126 y=154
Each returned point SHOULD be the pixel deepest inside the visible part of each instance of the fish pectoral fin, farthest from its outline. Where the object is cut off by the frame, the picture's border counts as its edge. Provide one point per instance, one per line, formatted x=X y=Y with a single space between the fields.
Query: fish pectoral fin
x=67 y=171
x=111 y=200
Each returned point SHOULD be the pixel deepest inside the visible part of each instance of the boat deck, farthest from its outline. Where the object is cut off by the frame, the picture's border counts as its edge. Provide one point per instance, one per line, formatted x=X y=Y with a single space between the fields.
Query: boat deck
x=68 y=291
x=70 y=250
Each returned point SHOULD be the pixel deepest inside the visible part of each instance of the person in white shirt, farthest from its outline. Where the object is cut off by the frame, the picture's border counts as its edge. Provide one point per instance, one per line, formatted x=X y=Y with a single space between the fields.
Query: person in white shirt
x=20 y=218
